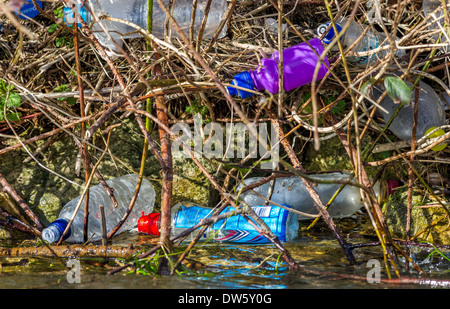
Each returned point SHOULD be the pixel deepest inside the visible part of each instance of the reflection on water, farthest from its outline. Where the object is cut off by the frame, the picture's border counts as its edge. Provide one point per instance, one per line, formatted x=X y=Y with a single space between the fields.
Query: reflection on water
x=227 y=267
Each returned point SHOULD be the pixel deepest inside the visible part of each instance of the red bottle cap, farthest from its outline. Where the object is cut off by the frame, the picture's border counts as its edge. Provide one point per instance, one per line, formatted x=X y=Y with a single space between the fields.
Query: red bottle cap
x=392 y=185
x=149 y=224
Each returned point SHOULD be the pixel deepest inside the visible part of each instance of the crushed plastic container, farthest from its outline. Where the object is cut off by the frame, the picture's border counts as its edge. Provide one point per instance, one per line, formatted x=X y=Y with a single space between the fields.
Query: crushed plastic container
x=124 y=188
x=371 y=40
x=299 y=63
x=235 y=229
x=292 y=191
x=429 y=7
x=136 y=11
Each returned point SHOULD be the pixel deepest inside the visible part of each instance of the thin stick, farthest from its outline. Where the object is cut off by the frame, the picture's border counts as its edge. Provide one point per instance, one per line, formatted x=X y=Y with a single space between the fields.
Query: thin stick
x=103 y=222
x=7 y=187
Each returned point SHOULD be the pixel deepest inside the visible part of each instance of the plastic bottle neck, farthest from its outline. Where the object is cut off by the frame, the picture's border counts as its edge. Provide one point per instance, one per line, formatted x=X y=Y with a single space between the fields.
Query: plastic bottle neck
x=149 y=224
x=70 y=18
x=53 y=232
x=330 y=34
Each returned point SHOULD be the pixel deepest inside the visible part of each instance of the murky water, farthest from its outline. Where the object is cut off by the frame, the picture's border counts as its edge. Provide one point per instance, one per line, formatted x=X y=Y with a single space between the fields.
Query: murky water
x=223 y=266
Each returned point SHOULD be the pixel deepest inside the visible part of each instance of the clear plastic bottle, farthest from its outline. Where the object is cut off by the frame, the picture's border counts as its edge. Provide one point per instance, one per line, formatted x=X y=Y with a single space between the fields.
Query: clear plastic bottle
x=292 y=191
x=124 y=188
x=234 y=229
x=136 y=11
x=371 y=40
x=429 y=7
x=430 y=113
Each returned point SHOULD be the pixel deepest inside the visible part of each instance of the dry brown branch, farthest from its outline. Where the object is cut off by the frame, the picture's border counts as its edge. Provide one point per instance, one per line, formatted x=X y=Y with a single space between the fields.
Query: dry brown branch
x=81 y=251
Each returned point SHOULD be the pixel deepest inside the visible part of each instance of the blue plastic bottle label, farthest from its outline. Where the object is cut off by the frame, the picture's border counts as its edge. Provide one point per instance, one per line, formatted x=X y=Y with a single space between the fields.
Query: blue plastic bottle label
x=235 y=228
x=28 y=11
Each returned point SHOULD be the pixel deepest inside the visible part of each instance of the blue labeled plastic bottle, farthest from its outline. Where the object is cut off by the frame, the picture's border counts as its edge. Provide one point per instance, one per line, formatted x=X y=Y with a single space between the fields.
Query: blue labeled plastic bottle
x=235 y=229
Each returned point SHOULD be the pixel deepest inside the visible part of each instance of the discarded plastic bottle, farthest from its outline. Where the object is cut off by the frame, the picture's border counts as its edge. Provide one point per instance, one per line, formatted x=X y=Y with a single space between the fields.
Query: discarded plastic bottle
x=299 y=64
x=371 y=40
x=292 y=191
x=430 y=6
x=235 y=229
x=136 y=11
x=124 y=188
x=430 y=113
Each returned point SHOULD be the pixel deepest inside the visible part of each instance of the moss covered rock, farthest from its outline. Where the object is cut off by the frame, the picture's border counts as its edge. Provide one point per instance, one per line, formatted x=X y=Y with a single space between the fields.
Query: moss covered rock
x=331 y=156
x=428 y=223
x=190 y=184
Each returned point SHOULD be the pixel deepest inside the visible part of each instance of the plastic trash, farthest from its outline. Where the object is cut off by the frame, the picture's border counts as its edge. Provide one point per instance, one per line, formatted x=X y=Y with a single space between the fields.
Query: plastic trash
x=124 y=188
x=136 y=11
x=234 y=229
x=272 y=25
x=292 y=191
x=430 y=113
x=445 y=98
x=370 y=41
x=27 y=10
x=430 y=7
x=299 y=64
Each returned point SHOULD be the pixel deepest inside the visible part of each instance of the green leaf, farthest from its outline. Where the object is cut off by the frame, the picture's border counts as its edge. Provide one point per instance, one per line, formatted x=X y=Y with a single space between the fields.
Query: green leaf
x=14 y=100
x=53 y=28
x=14 y=116
x=339 y=108
x=366 y=86
x=397 y=90
x=59 y=42
x=71 y=101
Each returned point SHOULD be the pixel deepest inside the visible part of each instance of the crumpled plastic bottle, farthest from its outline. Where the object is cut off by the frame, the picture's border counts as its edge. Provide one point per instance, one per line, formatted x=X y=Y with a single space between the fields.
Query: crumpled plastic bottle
x=371 y=40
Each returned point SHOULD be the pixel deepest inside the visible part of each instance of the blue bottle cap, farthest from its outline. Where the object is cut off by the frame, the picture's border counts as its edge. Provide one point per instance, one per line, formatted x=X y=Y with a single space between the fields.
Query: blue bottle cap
x=61 y=224
x=69 y=15
x=28 y=11
x=243 y=80
x=330 y=35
